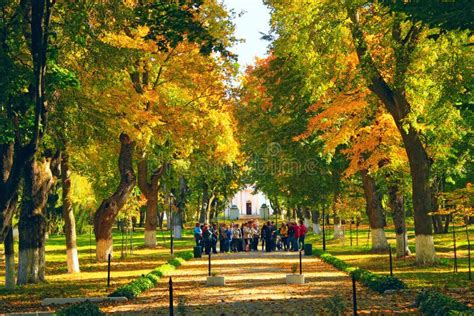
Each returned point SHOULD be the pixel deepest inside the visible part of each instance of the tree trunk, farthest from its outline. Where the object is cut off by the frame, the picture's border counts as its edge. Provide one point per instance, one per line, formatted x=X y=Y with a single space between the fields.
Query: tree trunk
x=338 y=229
x=151 y=222
x=141 y=222
x=150 y=191
x=374 y=212
x=9 y=260
x=107 y=212
x=38 y=183
x=72 y=258
x=438 y=220
x=161 y=216
x=36 y=26
x=398 y=213
x=397 y=105
x=11 y=164
x=203 y=215
x=315 y=218
x=180 y=203
x=212 y=198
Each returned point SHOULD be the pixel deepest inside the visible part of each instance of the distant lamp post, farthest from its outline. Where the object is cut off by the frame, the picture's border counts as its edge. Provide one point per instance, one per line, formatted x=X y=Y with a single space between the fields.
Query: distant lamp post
x=264 y=211
x=170 y=198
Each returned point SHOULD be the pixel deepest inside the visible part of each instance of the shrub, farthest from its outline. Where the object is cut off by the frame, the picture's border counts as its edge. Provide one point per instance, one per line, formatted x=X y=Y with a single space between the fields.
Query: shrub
x=186 y=255
x=378 y=283
x=146 y=282
x=128 y=290
x=85 y=308
x=176 y=262
x=153 y=278
x=434 y=303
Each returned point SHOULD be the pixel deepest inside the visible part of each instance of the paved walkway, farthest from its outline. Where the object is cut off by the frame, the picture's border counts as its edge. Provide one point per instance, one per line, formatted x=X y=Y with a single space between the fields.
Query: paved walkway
x=255 y=285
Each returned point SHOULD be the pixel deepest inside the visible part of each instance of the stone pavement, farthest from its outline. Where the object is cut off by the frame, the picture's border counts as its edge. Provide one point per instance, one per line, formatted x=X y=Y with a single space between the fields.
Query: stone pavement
x=255 y=285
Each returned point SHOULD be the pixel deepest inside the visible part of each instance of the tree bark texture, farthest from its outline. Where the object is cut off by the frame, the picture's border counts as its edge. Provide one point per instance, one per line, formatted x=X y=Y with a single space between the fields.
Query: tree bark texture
x=396 y=202
x=38 y=182
x=107 y=212
x=374 y=212
x=9 y=260
x=150 y=191
x=72 y=258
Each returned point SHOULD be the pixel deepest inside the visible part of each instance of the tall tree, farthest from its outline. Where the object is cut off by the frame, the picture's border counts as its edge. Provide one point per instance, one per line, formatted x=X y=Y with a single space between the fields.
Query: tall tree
x=388 y=53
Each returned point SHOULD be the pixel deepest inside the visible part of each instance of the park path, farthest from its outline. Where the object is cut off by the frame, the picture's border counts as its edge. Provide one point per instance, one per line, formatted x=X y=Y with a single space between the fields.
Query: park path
x=255 y=285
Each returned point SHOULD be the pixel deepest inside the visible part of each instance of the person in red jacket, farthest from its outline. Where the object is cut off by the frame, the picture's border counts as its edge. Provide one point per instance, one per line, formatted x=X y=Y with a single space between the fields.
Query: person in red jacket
x=301 y=234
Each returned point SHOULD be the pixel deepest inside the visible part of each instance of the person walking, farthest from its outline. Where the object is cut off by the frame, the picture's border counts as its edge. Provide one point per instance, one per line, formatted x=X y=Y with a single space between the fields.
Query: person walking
x=297 y=237
x=273 y=234
x=263 y=234
x=222 y=238
x=302 y=234
x=228 y=232
x=206 y=238
x=268 y=237
x=291 y=236
x=197 y=234
x=235 y=238
x=284 y=236
x=247 y=236
x=214 y=238
x=255 y=236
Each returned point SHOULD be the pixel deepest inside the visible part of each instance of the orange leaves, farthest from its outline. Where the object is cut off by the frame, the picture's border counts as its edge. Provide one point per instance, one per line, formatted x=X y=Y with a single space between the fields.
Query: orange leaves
x=337 y=119
x=345 y=119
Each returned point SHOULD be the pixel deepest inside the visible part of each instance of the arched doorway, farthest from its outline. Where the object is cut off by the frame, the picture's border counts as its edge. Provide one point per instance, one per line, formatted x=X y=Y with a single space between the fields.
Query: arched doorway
x=248 y=208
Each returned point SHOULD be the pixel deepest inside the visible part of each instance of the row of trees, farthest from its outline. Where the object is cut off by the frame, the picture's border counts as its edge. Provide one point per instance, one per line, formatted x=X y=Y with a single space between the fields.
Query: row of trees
x=84 y=81
x=363 y=100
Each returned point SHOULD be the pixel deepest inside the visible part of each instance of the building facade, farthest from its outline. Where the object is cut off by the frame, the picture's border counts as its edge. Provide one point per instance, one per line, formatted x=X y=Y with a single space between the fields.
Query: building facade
x=249 y=203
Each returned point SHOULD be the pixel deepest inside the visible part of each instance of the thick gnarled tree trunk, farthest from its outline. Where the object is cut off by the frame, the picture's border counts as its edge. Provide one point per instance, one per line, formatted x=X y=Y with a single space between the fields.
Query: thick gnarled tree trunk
x=150 y=191
x=374 y=212
x=398 y=214
x=38 y=182
x=72 y=258
x=107 y=212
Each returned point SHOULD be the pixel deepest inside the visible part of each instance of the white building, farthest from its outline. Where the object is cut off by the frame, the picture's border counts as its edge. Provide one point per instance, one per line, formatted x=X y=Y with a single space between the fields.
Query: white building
x=246 y=202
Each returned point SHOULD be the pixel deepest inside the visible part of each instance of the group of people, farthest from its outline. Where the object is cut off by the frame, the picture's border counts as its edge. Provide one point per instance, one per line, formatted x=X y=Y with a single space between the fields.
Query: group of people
x=248 y=236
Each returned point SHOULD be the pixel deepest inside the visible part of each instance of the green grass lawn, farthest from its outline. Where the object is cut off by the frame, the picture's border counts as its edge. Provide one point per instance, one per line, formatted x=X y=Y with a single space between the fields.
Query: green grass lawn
x=440 y=275
x=92 y=280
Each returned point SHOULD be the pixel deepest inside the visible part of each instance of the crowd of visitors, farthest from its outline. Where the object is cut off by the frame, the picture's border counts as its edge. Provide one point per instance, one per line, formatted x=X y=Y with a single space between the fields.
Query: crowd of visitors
x=248 y=236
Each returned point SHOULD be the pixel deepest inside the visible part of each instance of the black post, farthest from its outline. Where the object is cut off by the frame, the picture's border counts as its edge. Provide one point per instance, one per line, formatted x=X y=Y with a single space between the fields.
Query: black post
x=368 y=237
x=131 y=241
x=324 y=232
x=468 y=254
x=357 y=233
x=209 y=264
x=108 y=270
x=122 y=255
x=354 y=295
x=301 y=263
x=171 y=226
x=454 y=247
x=90 y=243
x=391 y=260
x=171 y=297
x=350 y=231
